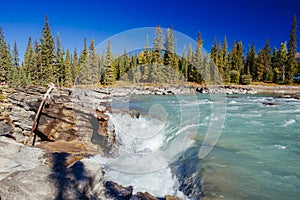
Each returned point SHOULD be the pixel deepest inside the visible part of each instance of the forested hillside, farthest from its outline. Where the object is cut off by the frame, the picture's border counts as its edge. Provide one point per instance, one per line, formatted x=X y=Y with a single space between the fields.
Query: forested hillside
x=46 y=60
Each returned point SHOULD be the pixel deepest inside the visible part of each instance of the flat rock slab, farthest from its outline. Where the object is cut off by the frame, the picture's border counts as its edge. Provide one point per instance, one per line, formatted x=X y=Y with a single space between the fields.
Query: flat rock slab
x=15 y=157
x=71 y=147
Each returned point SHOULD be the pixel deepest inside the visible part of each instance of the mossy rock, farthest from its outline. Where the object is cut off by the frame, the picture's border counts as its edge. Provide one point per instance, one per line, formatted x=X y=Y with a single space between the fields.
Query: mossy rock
x=2 y=97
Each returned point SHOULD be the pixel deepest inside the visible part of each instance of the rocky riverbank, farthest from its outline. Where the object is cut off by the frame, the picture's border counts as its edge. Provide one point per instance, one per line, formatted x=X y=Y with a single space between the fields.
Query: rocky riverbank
x=72 y=127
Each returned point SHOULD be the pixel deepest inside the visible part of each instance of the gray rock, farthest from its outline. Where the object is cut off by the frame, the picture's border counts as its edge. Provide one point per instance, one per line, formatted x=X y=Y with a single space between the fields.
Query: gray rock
x=25 y=175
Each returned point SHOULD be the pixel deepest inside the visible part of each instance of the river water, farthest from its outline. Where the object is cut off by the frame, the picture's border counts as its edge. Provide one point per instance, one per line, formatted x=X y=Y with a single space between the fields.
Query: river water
x=257 y=155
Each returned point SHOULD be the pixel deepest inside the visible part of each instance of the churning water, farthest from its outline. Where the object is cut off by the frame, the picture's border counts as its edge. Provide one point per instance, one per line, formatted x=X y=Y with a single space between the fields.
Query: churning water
x=256 y=157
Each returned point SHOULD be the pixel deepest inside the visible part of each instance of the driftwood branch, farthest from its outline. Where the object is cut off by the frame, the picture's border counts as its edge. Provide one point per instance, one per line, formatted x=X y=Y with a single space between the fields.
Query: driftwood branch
x=35 y=122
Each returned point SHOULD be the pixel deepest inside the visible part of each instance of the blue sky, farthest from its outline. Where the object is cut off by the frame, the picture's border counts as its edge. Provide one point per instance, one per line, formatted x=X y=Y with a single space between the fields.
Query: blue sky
x=246 y=20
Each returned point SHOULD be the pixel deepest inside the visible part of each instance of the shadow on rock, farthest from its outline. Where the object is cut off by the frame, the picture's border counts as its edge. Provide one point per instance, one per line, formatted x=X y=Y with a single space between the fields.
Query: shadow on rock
x=70 y=181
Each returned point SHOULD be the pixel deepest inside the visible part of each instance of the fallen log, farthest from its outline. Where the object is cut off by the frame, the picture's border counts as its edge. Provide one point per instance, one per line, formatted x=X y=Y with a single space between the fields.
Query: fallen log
x=35 y=122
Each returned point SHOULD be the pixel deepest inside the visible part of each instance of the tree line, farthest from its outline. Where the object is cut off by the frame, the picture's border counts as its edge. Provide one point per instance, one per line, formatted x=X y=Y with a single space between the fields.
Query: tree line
x=46 y=61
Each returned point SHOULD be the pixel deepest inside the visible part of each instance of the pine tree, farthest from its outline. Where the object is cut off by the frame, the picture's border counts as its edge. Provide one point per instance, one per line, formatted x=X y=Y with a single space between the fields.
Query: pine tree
x=169 y=47
x=75 y=66
x=214 y=52
x=38 y=77
x=190 y=56
x=260 y=65
x=68 y=80
x=225 y=67
x=268 y=74
x=251 y=61
x=184 y=64
x=14 y=75
x=109 y=74
x=292 y=50
x=170 y=57
x=58 y=67
x=28 y=64
x=279 y=61
x=199 y=72
x=5 y=59
x=15 y=55
x=236 y=59
x=47 y=53
x=84 y=73
x=145 y=62
x=156 y=70
x=93 y=64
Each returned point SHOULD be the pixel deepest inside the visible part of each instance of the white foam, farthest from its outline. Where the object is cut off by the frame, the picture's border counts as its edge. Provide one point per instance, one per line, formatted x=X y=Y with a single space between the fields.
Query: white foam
x=195 y=102
x=159 y=183
x=289 y=122
x=281 y=147
x=142 y=162
x=232 y=102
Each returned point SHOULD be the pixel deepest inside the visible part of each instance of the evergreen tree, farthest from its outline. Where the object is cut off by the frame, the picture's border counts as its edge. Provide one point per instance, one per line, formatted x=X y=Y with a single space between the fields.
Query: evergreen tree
x=84 y=72
x=190 y=55
x=260 y=65
x=109 y=74
x=93 y=64
x=14 y=76
x=84 y=53
x=251 y=61
x=279 y=61
x=75 y=66
x=47 y=53
x=224 y=68
x=28 y=67
x=292 y=50
x=184 y=64
x=68 y=80
x=58 y=67
x=156 y=70
x=5 y=58
x=199 y=72
x=170 y=57
x=15 y=55
x=38 y=77
x=214 y=52
x=268 y=72
x=145 y=62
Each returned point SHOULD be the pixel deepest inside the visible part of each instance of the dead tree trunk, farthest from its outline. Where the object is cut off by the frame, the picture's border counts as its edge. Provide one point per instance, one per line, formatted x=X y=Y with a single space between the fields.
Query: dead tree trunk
x=35 y=122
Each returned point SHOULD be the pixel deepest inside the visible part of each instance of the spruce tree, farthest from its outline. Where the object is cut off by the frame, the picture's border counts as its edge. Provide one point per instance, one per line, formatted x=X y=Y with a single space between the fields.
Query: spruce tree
x=170 y=57
x=145 y=62
x=28 y=67
x=190 y=56
x=260 y=65
x=38 y=77
x=75 y=66
x=292 y=50
x=199 y=72
x=15 y=55
x=58 y=67
x=268 y=74
x=250 y=61
x=5 y=59
x=109 y=73
x=68 y=81
x=84 y=72
x=14 y=75
x=184 y=65
x=47 y=53
x=279 y=61
x=156 y=70
x=93 y=64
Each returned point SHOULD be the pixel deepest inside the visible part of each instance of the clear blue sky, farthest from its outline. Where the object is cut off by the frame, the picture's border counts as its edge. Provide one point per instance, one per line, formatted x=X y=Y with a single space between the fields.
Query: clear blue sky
x=246 y=20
